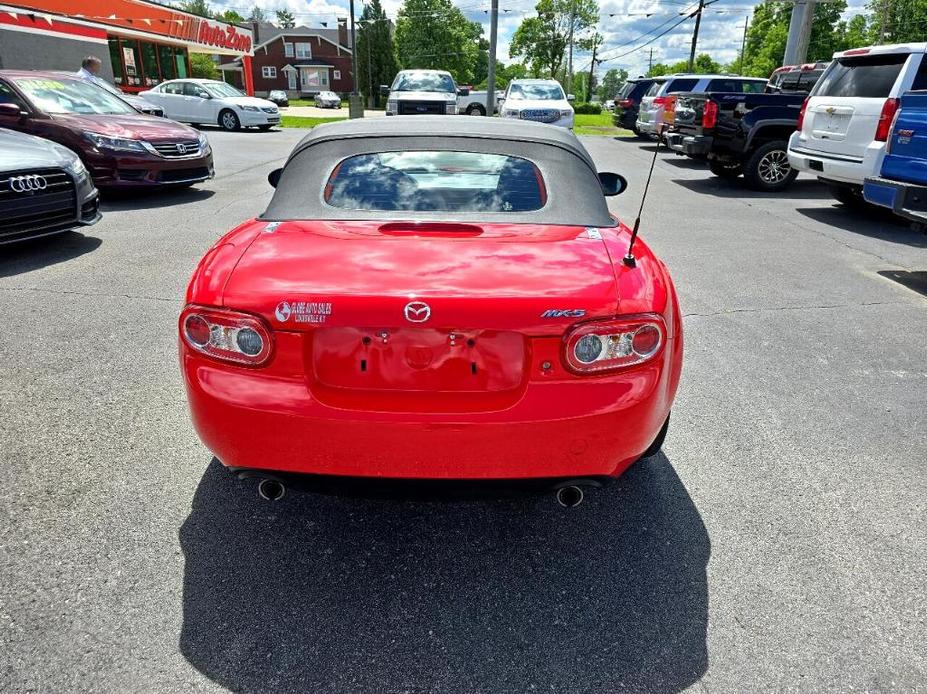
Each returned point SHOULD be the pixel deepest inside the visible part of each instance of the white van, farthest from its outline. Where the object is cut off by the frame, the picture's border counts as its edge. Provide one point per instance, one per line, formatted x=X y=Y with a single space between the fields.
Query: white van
x=845 y=121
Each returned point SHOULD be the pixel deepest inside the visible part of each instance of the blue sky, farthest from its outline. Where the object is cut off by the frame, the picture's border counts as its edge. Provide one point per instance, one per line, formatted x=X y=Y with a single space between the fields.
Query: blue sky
x=720 y=34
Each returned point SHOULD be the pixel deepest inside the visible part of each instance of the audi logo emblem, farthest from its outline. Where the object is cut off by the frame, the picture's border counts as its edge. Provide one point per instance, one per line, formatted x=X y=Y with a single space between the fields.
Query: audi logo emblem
x=27 y=184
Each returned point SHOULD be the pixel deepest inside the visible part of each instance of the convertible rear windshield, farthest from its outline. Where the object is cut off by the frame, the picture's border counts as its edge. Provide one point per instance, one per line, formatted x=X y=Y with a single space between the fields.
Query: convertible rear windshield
x=436 y=181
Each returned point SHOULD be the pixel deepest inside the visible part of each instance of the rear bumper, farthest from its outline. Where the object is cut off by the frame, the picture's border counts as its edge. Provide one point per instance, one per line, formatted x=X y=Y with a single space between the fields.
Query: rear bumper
x=907 y=200
x=834 y=167
x=571 y=427
x=690 y=145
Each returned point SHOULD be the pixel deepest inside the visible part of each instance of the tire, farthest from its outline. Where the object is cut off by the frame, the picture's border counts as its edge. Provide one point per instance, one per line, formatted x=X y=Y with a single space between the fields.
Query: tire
x=725 y=169
x=848 y=196
x=229 y=121
x=657 y=444
x=768 y=168
x=476 y=110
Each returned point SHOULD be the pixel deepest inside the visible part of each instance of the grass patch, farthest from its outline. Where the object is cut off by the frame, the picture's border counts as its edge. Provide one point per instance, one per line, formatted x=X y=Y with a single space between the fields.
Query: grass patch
x=305 y=121
x=311 y=102
x=600 y=124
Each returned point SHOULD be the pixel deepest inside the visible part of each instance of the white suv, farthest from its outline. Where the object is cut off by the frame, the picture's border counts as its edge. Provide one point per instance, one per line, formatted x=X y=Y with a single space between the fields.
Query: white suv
x=845 y=121
x=538 y=100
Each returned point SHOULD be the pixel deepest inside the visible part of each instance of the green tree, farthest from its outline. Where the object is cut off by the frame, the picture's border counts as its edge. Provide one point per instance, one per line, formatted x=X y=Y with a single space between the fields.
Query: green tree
x=541 y=41
x=285 y=19
x=257 y=15
x=374 y=48
x=897 y=21
x=203 y=66
x=612 y=83
x=704 y=65
x=230 y=16
x=433 y=34
x=198 y=7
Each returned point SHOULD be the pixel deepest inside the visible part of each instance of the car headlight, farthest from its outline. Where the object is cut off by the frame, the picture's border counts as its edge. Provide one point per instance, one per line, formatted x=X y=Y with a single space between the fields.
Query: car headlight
x=250 y=108
x=77 y=168
x=566 y=112
x=509 y=113
x=204 y=143
x=118 y=144
x=392 y=106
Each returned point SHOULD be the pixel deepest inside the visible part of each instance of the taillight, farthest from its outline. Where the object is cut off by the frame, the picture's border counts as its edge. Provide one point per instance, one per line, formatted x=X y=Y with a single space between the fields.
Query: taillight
x=889 y=108
x=226 y=335
x=891 y=132
x=659 y=100
x=613 y=344
x=801 y=114
x=626 y=103
x=709 y=114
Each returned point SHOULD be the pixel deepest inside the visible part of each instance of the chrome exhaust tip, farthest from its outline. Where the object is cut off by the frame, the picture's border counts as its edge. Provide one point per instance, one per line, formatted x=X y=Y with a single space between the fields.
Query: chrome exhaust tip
x=271 y=490
x=570 y=497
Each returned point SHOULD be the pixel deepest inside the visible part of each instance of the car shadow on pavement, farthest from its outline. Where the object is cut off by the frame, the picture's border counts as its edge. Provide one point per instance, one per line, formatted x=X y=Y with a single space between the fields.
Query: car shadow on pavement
x=19 y=258
x=872 y=221
x=687 y=162
x=122 y=200
x=801 y=188
x=339 y=594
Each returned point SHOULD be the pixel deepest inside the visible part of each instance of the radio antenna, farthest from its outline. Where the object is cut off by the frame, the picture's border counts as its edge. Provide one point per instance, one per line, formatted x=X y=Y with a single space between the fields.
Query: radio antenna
x=629 y=258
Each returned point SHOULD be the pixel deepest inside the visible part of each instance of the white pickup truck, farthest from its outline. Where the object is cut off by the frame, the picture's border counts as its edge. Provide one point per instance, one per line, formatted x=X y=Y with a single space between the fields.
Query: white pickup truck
x=422 y=92
x=474 y=104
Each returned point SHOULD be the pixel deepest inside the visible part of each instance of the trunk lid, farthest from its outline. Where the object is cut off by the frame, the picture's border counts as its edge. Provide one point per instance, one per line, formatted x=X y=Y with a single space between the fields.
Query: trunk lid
x=391 y=310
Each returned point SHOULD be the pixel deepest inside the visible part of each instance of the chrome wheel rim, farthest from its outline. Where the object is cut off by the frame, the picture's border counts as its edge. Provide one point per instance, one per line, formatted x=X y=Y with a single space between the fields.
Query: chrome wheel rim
x=228 y=120
x=774 y=166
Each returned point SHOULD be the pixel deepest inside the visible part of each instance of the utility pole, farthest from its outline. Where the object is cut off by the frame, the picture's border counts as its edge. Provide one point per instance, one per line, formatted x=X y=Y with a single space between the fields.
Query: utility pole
x=650 y=69
x=698 y=21
x=491 y=73
x=743 y=44
x=796 y=48
x=570 y=60
x=368 y=28
x=355 y=105
x=595 y=46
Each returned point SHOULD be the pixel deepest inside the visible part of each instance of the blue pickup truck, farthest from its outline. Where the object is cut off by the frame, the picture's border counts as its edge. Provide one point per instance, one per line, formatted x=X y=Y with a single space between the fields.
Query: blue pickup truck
x=901 y=186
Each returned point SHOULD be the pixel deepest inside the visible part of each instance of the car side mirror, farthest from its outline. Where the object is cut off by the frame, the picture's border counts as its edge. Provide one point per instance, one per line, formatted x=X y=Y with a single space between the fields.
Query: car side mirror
x=274 y=177
x=384 y=90
x=612 y=183
x=571 y=97
x=11 y=111
x=463 y=91
x=203 y=95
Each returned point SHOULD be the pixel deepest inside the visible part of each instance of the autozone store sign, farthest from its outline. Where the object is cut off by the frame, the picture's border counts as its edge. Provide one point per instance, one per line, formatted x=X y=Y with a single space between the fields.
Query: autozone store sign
x=222 y=36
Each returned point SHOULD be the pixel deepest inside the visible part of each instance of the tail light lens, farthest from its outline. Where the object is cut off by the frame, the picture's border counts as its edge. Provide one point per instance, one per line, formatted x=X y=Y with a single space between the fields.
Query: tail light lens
x=626 y=103
x=891 y=132
x=709 y=114
x=886 y=118
x=226 y=335
x=614 y=344
x=801 y=114
x=659 y=100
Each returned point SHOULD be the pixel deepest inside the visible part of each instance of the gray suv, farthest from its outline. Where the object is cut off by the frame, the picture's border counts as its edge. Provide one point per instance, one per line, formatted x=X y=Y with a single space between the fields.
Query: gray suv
x=44 y=188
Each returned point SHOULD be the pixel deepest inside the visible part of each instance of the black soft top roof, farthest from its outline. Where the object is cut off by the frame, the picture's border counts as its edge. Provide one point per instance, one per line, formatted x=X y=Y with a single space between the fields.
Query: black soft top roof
x=575 y=195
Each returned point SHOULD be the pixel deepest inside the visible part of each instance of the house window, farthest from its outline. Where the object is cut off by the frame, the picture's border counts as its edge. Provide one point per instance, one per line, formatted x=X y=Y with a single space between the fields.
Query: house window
x=268 y=72
x=336 y=74
x=324 y=79
x=288 y=49
x=303 y=50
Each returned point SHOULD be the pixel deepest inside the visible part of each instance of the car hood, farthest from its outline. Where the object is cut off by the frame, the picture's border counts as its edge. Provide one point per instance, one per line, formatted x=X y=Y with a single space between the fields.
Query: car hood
x=525 y=104
x=248 y=101
x=134 y=126
x=424 y=96
x=19 y=151
x=491 y=276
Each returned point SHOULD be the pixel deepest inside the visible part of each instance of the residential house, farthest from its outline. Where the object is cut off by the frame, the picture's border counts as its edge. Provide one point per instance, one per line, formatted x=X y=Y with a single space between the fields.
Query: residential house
x=301 y=61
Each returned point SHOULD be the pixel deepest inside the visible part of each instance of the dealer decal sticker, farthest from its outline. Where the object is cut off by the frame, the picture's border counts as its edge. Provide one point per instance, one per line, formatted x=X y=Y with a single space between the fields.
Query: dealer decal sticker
x=303 y=311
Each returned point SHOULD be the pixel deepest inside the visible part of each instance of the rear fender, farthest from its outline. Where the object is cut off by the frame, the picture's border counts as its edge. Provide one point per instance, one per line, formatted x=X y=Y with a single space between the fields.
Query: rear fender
x=207 y=284
x=769 y=130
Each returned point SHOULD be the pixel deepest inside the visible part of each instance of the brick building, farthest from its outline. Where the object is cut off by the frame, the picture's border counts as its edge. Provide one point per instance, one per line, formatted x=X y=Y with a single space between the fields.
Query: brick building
x=301 y=61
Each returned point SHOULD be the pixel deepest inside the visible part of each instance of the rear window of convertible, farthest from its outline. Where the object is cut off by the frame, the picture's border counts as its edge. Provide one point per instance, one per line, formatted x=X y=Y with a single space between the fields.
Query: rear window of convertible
x=436 y=181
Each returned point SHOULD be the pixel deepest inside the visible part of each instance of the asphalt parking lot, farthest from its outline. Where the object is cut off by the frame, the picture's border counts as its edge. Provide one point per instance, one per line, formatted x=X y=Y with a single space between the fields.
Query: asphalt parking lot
x=778 y=544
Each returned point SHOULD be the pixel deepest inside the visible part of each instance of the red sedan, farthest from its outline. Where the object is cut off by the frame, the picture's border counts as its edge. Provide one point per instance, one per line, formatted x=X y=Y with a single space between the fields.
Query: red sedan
x=433 y=298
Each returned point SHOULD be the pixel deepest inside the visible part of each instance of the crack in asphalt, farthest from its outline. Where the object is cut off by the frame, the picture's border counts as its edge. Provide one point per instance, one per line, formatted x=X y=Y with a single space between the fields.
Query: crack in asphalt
x=789 y=308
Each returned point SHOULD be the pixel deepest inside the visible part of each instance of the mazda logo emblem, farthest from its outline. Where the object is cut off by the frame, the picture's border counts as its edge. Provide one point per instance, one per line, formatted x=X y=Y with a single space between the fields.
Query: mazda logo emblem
x=27 y=184
x=417 y=311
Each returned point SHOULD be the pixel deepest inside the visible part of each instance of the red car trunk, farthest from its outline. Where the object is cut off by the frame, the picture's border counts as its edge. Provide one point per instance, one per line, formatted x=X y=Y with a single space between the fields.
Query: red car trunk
x=477 y=294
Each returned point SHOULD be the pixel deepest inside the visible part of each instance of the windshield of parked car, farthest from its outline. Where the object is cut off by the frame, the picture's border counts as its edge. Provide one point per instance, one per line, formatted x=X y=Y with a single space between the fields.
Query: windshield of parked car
x=63 y=95
x=799 y=81
x=423 y=82
x=870 y=76
x=221 y=89
x=328 y=95
x=540 y=92
x=436 y=181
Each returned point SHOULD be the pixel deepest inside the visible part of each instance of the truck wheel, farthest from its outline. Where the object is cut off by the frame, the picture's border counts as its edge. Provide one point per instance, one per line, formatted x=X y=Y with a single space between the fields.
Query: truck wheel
x=849 y=196
x=476 y=110
x=725 y=169
x=768 y=167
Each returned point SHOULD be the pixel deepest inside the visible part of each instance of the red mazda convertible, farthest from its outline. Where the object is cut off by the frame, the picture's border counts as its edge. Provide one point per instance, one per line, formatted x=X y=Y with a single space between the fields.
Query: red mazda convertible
x=433 y=298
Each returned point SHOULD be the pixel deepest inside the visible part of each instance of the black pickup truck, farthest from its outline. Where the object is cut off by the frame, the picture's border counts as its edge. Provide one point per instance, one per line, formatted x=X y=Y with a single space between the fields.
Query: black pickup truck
x=738 y=134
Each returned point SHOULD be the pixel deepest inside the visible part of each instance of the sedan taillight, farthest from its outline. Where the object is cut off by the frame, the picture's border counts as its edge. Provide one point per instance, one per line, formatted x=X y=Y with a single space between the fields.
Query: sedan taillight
x=226 y=335
x=613 y=344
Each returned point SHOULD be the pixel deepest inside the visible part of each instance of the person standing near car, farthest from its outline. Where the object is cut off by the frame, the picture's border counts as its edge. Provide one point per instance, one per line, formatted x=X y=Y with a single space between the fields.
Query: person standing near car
x=90 y=68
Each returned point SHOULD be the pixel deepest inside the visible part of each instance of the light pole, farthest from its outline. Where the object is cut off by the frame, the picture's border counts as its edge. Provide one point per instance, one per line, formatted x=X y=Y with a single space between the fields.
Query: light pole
x=355 y=105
